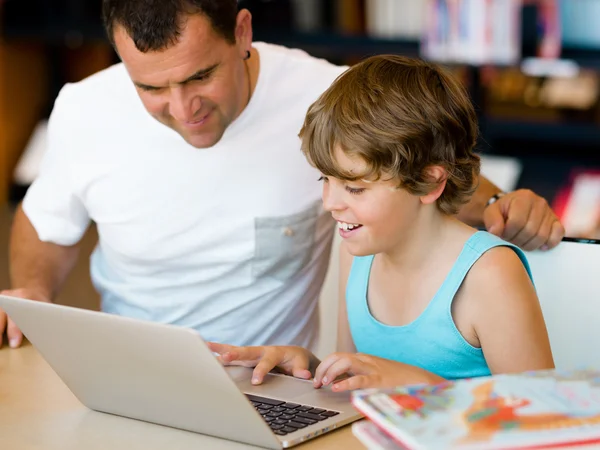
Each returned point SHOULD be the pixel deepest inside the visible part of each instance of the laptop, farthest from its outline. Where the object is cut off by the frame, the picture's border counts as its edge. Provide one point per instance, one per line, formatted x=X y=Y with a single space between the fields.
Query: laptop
x=167 y=375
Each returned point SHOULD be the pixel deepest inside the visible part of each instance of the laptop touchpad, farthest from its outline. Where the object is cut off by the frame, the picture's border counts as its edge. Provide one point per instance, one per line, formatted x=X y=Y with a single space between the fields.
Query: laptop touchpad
x=274 y=385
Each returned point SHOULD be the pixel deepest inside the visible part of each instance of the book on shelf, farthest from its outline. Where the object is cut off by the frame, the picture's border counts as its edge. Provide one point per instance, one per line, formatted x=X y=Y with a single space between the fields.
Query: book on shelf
x=529 y=410
x=395 y=19
x=577 y=204
x=472 y=31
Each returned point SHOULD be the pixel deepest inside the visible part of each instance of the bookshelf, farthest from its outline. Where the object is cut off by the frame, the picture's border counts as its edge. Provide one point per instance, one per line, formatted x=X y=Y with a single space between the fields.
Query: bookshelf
x=337 y=47
x=68 y=43
x=343 y=49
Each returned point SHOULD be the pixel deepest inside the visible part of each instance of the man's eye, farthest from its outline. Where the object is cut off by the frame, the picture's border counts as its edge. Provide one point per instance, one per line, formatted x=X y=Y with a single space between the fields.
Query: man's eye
x=149 y=89
x=203 y=77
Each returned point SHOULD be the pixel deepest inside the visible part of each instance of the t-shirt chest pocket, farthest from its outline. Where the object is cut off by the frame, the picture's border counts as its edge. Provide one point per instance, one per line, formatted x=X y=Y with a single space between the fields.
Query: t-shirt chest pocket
x=284 y=244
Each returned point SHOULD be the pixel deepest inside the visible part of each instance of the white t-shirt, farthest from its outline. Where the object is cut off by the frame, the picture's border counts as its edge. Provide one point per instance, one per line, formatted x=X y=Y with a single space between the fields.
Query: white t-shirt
x=231 y=240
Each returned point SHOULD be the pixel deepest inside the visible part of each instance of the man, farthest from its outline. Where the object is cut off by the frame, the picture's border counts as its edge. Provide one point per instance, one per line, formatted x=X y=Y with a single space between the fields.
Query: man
x=187 y=158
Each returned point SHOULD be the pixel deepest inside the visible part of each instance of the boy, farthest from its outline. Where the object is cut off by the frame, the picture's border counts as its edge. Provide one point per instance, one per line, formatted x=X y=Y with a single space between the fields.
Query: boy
x=427 y=297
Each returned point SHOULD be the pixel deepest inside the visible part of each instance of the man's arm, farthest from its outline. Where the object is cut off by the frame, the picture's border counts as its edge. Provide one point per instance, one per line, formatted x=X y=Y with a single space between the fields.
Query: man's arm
x=521 y=217
x=472 y=213
x=37 y=269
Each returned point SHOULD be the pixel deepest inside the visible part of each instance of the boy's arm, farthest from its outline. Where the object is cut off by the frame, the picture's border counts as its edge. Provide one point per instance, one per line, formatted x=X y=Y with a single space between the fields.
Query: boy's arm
x=367 y=371
x=344 y=337
x=498 y=298
x=506 y=314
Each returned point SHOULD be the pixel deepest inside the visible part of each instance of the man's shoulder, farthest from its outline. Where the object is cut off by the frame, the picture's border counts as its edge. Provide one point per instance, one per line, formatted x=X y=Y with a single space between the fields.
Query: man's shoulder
x=293 y=61
x=108 y=96
x=102 y=87
x=112 y=77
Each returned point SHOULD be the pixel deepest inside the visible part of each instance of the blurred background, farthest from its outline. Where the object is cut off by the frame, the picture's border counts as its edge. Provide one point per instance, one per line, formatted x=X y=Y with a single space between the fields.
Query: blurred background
x=532 y=69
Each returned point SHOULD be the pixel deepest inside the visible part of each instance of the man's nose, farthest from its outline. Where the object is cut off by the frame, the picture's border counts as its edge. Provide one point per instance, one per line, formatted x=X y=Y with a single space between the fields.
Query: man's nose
x=183 y=106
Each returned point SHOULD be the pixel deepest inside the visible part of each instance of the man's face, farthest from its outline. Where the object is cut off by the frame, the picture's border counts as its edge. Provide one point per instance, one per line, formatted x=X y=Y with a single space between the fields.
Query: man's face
x=197 y=86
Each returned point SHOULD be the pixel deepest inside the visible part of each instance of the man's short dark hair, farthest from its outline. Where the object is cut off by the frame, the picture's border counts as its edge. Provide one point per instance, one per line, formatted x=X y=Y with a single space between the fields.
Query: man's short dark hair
x=155 y=25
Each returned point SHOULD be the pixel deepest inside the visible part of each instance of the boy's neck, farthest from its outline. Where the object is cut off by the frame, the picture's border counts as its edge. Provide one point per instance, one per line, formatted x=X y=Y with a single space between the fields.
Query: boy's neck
x=432 y=234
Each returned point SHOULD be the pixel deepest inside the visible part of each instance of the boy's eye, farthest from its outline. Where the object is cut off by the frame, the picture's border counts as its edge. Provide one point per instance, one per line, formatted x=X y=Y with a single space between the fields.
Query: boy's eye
x=322 y=178
x=355 y=191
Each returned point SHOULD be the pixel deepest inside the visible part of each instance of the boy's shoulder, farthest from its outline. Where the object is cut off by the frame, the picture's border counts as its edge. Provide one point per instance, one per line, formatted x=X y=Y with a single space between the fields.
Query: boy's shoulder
x=500 y=269
x=498 y=260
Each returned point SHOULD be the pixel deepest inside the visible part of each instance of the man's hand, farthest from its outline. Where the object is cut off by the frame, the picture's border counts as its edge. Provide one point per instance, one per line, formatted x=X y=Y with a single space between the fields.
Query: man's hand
x=366 y=371
x=525 y=219
x=291 y=360
x=15 y=337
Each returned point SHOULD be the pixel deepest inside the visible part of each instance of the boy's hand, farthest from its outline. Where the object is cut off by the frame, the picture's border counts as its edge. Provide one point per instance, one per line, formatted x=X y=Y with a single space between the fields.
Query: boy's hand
x=366 y=371
x=291 y=360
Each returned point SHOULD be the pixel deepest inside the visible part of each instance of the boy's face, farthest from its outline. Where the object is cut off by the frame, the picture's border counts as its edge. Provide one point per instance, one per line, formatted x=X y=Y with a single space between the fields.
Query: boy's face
x=198 y=85
x=372 y=216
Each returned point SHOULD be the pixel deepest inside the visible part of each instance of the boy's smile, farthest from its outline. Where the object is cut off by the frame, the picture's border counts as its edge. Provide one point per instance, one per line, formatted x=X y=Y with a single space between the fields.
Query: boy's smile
x=372 y=216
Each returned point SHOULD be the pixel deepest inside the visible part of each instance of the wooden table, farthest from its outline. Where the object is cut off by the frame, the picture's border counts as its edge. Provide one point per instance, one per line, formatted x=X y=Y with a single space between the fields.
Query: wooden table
x=38 y=412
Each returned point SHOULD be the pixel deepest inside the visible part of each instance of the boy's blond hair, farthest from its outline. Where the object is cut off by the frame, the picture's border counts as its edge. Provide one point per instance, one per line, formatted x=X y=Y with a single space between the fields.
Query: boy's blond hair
x=400 y=115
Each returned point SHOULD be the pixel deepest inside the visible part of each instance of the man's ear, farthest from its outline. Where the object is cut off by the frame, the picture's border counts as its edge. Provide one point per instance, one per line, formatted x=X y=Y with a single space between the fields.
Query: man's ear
x=243 y=32
x=438 y=176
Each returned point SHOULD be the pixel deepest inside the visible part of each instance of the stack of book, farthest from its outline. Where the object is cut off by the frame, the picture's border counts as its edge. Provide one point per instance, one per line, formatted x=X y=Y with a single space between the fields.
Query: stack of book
x=473 y=31
x=531 y=410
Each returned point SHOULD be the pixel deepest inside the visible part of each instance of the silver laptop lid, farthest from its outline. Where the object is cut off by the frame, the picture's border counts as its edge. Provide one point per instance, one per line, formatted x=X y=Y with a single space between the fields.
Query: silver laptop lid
x=157 y=373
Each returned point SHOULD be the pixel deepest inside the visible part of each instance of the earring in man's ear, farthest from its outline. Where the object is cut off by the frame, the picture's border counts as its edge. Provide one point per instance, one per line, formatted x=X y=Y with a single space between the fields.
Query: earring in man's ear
x=248 y=54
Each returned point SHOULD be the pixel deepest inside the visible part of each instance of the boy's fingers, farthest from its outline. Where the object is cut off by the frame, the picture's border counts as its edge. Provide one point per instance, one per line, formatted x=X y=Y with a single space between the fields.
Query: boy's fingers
x=324 y=366
x=341 y=366
x=262 y=368
x=351 y=384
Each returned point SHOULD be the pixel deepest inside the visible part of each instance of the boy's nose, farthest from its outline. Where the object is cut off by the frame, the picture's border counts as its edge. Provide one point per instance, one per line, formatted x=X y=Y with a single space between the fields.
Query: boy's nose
x=331 y=199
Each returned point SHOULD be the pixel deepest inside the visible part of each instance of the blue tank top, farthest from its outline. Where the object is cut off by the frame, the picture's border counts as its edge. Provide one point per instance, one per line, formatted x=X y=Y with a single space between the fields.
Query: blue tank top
x=432 y=340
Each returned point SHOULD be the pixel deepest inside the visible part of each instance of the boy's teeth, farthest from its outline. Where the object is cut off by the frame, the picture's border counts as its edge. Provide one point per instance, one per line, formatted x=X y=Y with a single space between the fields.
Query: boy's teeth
x=347 y=226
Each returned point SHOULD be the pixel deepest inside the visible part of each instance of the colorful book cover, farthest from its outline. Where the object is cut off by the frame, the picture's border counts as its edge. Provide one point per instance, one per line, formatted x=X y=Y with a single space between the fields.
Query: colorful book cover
x=529 y=410
x=373 y=437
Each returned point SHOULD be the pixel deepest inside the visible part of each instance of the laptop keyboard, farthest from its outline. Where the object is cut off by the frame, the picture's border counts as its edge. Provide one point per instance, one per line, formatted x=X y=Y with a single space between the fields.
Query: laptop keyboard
x=285 y=417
